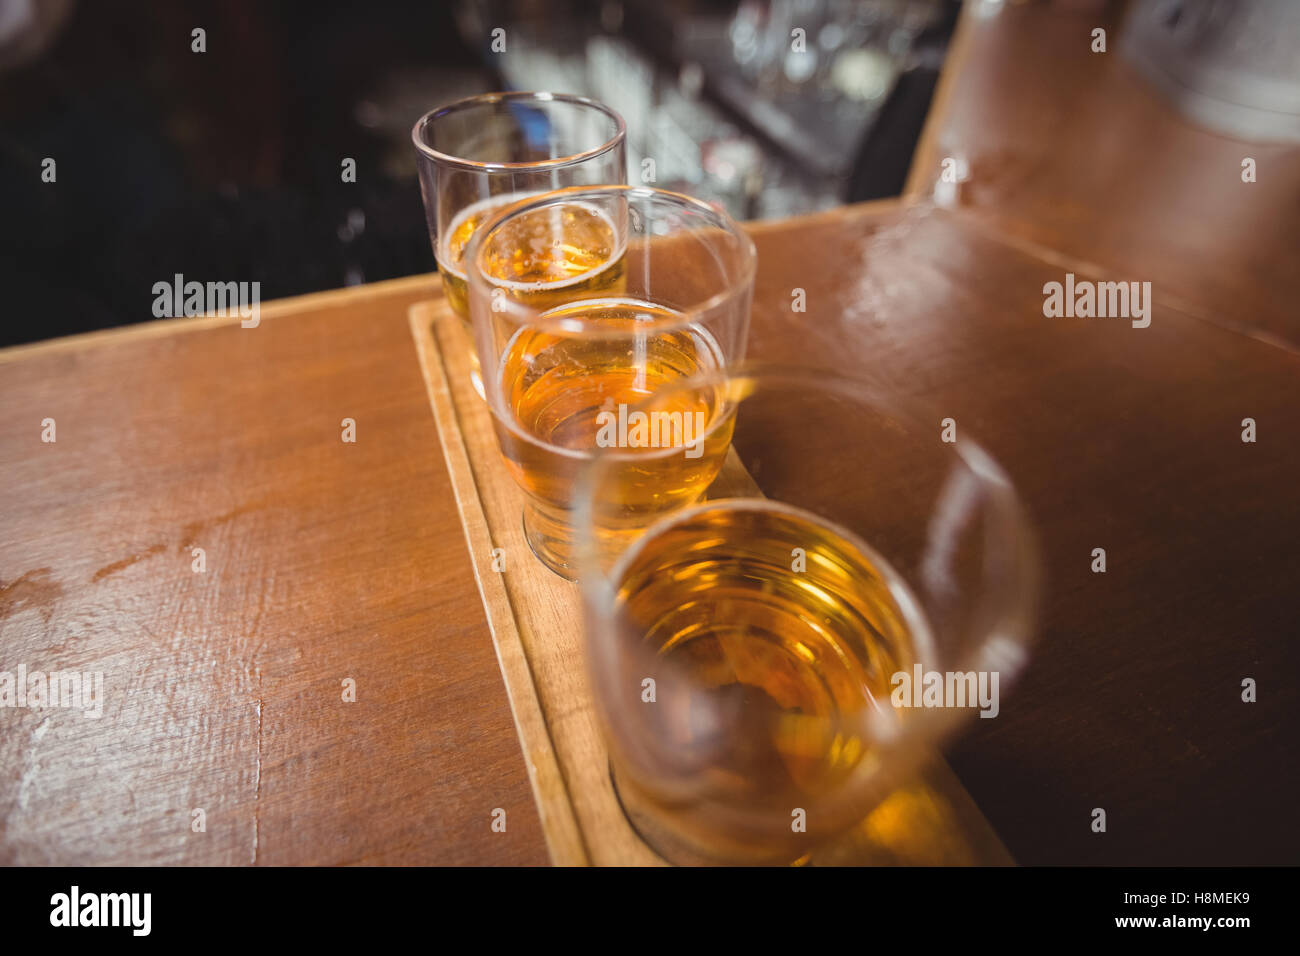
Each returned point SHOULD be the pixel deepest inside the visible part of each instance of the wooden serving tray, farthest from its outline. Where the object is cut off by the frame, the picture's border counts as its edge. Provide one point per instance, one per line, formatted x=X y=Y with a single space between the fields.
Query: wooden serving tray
x=536 y=622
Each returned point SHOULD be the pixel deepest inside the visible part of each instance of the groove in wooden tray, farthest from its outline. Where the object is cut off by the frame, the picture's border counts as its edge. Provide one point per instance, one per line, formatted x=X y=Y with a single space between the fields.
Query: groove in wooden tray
x=536 y=622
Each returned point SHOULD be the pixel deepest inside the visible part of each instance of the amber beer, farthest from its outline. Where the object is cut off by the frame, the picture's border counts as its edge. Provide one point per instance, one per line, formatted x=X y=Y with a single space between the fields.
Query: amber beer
x=548 y=253
x=588 y=303
x=767 y=620
x=561 y=393
x=537 y=261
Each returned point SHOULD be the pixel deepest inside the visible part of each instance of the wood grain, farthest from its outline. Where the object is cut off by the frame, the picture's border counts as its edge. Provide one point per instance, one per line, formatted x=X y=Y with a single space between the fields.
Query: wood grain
x=1122 y=438
x=537 y=618
x=1071 y=152
x=324 y=561
x=550 y=788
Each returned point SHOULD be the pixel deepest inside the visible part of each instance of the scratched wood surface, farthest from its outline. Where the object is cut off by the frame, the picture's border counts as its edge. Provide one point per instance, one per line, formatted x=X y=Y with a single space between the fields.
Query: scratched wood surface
x=536 y=622
x=1075 y=162
x=1120 y=438
x=324 y=561
x=1072 y=153
x=320 y=567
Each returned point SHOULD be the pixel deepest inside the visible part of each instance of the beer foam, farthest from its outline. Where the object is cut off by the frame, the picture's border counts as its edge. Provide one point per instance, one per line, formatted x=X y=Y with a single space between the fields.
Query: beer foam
x=481 y=210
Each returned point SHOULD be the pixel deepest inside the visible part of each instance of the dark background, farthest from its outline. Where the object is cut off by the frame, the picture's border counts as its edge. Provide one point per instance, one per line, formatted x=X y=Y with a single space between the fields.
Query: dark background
x=217 y=165
x=225 y=165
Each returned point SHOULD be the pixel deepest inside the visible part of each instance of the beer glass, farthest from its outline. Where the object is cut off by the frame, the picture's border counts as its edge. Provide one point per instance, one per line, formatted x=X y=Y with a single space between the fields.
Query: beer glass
x=662 y=292
x=770 y=663
x=481 y=153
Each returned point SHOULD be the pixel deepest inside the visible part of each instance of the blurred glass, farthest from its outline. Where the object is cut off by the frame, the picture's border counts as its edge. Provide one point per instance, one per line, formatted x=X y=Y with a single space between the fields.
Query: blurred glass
x=749 y=656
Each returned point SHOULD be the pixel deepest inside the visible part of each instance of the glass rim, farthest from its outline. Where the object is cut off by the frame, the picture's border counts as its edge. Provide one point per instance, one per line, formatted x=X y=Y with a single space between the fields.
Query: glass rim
x=521 y=313
x=541 y=96
x=1016 y=622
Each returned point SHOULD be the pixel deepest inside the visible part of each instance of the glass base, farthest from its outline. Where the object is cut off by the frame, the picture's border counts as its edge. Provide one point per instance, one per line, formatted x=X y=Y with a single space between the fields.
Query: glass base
x=678 y=849
x=551 y=540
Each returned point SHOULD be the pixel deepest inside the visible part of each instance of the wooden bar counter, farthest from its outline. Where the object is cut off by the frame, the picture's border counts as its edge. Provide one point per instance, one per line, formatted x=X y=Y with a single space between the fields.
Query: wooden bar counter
x=331 y=569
